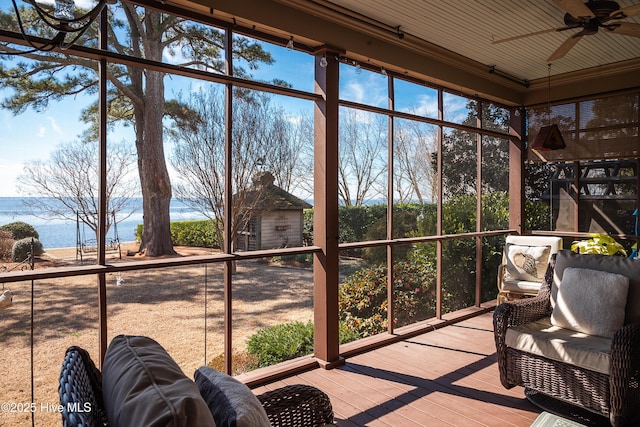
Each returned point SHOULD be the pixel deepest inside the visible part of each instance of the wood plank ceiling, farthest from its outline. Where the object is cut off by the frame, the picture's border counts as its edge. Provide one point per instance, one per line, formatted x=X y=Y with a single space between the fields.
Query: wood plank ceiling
x=468 y=28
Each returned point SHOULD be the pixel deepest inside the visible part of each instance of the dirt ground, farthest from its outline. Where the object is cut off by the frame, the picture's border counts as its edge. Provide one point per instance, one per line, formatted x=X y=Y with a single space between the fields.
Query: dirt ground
x=165 y=304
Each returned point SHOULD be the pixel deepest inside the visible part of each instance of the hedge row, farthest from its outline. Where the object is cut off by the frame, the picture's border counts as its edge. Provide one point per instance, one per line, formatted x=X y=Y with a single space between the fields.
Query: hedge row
x=197 y=233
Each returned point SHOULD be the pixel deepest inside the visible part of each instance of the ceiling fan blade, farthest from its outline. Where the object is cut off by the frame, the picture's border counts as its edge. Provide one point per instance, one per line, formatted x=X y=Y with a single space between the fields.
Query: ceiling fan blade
x=522 y=36
x=626 y=28
x=564 y=48
x=627 y=12
x=575 y=8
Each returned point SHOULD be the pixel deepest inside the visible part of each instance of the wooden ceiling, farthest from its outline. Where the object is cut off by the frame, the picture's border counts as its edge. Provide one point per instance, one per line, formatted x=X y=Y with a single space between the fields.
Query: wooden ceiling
x=452 y=43
x=471 y=27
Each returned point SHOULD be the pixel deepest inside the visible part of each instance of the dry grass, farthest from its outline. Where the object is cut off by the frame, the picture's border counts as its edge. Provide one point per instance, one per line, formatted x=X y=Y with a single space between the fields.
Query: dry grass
x=167 y=305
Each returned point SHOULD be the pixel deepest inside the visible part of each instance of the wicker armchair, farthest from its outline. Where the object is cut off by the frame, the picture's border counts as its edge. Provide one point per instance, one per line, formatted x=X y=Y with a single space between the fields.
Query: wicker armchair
x=516 y=281
x=81 y=391
x=615 y=395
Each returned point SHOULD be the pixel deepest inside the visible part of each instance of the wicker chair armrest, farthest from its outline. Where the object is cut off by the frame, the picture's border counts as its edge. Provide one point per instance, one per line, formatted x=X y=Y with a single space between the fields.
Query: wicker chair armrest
x=515 y=313
x=520 y=312
x=624 y=376
x=297 y=405
x=80 y=390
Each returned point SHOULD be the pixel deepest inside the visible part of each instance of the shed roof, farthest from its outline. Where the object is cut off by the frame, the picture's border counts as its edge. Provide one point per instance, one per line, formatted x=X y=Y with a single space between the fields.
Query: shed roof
x=265 y=195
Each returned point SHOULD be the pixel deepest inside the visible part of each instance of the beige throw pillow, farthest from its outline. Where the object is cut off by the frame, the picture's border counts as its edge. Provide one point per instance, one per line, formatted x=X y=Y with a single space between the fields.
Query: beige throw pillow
x=613 y=264
x=590 y=301
x=526 y=262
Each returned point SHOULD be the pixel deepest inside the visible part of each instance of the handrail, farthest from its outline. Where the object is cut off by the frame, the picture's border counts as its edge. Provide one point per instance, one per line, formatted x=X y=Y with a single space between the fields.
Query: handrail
x=82 y=270
x=423 y=239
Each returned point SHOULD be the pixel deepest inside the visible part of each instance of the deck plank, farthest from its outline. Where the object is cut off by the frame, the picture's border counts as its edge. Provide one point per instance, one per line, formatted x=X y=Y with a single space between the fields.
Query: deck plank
x=447 y=377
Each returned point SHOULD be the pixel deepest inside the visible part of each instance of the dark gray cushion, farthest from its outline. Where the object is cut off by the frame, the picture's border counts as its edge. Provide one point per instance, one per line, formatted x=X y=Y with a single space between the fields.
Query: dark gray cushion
x=143 y=386
x=231 y=402
x=613 y=264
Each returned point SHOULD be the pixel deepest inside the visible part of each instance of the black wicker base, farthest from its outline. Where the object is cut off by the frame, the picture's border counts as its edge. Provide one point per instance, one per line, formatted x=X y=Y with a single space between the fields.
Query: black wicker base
x=566 y=410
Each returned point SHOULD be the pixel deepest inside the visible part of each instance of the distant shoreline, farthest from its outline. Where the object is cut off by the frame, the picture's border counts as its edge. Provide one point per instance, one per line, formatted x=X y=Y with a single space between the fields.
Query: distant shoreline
x=60 y=234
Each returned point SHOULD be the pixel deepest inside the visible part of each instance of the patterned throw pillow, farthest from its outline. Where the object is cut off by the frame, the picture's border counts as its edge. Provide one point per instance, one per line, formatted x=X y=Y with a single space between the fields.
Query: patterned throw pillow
x=526 y=262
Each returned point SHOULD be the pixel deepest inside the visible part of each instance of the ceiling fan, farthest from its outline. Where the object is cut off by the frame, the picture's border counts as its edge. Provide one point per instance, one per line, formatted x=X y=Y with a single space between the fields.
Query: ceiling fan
x=590 y=17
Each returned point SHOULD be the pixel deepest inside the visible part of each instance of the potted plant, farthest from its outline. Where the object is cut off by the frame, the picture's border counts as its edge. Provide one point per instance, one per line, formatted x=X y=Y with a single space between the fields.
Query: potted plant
x=599 y=244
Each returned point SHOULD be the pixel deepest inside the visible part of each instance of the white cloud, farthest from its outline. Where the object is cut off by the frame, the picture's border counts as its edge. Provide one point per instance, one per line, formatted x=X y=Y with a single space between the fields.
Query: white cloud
x=364 y=87
x=354 y=91
x=427 y=106
x=54 y=125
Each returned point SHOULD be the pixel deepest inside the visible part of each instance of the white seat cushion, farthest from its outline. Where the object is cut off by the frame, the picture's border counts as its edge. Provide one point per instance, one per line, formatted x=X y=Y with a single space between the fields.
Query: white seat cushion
x=563 y=345
x=521 y=286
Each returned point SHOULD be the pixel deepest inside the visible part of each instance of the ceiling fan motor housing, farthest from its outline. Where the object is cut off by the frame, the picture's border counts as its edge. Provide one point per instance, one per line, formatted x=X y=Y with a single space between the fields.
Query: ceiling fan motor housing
x=602 y=11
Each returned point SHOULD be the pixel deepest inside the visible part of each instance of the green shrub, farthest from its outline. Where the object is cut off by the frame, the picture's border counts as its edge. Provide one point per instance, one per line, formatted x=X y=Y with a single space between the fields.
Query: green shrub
x=355 y=221
x=281 y=342
x=363 y=297
x=404 y=225
x=200 y=233
x=138 y=233
x=22 y=248
x=20 y=230
x=196 y=233
x=307 y=227
x=287 y=341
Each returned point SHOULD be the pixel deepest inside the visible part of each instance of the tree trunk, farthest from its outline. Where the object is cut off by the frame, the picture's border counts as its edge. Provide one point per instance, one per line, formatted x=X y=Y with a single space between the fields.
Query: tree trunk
x=152 y=166
x=154 y=176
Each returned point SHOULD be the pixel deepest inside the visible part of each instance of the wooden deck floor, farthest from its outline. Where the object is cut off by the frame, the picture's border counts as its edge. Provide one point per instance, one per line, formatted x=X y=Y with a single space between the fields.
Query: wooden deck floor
x=448 y=377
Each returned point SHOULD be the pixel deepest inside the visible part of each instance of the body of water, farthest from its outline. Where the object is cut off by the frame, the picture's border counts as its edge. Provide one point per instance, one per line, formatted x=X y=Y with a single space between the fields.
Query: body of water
x=59 y=233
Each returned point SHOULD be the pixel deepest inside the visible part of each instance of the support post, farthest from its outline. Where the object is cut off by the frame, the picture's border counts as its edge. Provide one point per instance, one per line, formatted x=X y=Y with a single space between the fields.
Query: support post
x=102 y=191
x=325 y=218
x=517 y=158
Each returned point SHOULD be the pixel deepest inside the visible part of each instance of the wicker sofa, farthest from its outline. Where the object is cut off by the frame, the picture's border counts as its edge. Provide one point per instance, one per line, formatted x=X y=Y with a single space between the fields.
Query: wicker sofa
x=140 y=385
x=589 y=370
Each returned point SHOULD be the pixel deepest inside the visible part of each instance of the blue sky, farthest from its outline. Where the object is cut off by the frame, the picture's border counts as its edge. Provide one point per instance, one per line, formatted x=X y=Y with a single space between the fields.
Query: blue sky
x=33 y=136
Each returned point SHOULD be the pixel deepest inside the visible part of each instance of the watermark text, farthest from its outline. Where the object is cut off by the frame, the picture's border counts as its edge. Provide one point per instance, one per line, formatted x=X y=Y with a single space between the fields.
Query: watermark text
x=21 y=407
